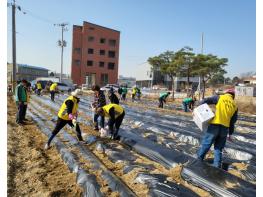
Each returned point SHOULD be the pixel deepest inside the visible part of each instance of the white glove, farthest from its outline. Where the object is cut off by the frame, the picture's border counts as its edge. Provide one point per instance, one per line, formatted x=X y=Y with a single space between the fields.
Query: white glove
x=103 y=132
x=74 y=122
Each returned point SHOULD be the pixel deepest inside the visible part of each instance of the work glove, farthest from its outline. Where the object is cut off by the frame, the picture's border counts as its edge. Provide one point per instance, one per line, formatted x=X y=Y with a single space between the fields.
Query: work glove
x=103 y=132
x=71 y=116
x=74 y=122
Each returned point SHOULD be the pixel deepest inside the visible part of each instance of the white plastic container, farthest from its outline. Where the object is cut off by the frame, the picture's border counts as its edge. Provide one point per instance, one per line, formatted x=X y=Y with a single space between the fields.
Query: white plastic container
x=202 y=115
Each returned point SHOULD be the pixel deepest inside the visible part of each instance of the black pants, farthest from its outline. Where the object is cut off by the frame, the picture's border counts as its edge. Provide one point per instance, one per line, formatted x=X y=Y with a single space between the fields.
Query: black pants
x=38 y=92
x=123 y=97
x=161 y=102
x=20 y=112
x=24 y=112
x=52 y=95
x=60 y=124
x=117 y=123
x=133 y=97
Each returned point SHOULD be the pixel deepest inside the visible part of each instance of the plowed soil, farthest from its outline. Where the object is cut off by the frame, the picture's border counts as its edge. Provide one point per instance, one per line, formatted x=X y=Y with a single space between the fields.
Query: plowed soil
x=31 y=170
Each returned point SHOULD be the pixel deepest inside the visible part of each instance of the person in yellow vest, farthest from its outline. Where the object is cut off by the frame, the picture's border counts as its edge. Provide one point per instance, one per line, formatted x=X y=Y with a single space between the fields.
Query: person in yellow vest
x=39 y=88
x=53 y=89
x=134 y=91
x=220 y=126
x=67 y=114
x=115 y=113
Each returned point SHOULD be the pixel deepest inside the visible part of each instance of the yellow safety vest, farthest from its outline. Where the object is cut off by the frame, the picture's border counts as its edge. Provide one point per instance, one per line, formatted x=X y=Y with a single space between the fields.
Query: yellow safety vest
x=134 y=91
x=118 y=110
x=225 y=109
x=62 y=113
x=39 y=86
x=53 y=87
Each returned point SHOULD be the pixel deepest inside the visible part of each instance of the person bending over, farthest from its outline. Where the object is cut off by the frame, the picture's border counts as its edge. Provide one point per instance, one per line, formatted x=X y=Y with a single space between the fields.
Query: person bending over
x=115 y=113
x=67 y=115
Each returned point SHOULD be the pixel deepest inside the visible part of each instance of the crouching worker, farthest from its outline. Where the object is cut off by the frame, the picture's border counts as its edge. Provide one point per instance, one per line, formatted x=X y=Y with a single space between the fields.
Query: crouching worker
x=188 y=103
x=115 y=113
x=220 y=126
x=162 y=98
x=67 y=115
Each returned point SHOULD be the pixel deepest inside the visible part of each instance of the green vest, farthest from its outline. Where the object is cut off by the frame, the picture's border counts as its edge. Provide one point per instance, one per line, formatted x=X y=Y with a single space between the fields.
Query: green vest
x=20 y=93
x=163 y=95
x=124 y=90
x=187 y=100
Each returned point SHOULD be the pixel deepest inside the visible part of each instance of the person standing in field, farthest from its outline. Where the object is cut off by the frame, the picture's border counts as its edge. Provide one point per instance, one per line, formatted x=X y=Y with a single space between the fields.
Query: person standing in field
x=112 y=96
x=124 y=93
x=99 y=101
x=53 y=89
x=21 y=99
x=39 y=88
x=220 y=126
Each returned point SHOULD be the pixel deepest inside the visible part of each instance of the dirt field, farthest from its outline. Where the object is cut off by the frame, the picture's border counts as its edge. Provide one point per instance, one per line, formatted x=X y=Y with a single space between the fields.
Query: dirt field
x=32 y=171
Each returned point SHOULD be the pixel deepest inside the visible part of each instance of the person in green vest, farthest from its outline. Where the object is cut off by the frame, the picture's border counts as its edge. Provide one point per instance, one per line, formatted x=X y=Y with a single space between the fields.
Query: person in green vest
x=124 y=93
x=115 y=113
x=67 y=114
x=21 y=99
x=188 y=103
x=162 y=98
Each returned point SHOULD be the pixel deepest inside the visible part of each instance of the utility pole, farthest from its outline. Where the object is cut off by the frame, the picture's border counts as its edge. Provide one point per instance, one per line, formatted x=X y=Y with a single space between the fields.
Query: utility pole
x=62 y=43
x=202 y=51
x=14 y=44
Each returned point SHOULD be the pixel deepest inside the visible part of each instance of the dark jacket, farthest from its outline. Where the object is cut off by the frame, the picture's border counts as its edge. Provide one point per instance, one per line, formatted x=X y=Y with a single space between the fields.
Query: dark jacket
x=69 y=104
x=100 y=100
x=214 y=100
x=113 y=98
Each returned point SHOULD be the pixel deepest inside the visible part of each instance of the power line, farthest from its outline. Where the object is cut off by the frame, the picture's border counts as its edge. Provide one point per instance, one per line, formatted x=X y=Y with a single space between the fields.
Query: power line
x=32 y=14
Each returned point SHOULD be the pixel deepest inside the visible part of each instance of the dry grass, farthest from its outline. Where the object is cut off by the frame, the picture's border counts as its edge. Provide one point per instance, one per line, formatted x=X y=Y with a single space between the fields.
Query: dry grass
x=246 y=104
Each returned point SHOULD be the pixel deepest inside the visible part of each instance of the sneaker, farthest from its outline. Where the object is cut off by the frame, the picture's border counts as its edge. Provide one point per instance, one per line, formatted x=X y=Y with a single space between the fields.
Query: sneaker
x=47 y=146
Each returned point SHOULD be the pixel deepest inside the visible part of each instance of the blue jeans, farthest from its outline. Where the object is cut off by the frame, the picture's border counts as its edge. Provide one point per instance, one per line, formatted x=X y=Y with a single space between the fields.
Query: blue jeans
x=185 y=106
x=98 y=120
x=217 y=135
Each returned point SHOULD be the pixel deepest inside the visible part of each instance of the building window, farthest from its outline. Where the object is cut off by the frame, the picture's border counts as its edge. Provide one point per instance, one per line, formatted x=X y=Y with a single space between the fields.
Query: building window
x=77 y=50
x=102 y=40
x=104 y=80
x=90 y=51
x=91 y=28
x=101 y=64
x=77 y=62
x=111 y=66
x=112 y=42
x=102 y=52
x=91 y=38
x=111 y=54
x=89 y=63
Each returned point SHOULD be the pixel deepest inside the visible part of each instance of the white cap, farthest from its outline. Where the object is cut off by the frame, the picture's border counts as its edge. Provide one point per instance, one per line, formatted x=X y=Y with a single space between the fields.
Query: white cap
x=76 y=93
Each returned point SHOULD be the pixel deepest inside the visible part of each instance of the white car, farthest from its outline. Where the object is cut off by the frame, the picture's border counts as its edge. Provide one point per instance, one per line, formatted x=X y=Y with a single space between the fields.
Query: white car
x=62 y=87
x=109 y=86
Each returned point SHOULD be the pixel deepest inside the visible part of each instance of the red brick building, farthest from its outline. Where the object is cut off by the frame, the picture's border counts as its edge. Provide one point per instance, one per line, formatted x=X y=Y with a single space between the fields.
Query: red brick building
x=95 y=54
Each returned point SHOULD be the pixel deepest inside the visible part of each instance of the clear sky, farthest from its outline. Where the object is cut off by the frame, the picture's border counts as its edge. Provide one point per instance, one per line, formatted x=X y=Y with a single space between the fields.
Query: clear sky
x=148 y=27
